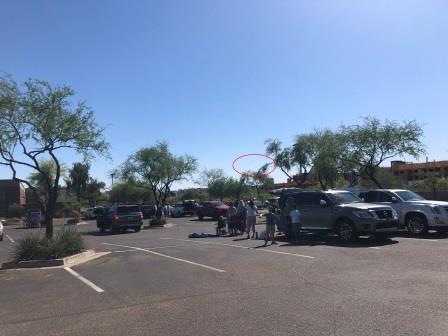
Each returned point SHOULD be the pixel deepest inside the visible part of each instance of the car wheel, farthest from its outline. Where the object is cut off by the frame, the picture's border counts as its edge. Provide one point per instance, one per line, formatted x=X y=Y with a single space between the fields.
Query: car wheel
x=347 y=231
x=1 y=237
x=102 y=230
x=417 y=224
x=137 y=228
x=201 y=217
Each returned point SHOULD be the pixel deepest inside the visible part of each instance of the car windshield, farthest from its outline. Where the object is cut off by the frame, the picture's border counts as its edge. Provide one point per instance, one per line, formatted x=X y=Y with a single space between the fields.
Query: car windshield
x=344 y=198
x=409 y=196
x=127 y=209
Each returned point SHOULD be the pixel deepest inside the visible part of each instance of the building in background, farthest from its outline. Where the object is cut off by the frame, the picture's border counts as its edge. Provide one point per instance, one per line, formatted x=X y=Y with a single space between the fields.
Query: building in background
x=11 y=192
x=413 y=173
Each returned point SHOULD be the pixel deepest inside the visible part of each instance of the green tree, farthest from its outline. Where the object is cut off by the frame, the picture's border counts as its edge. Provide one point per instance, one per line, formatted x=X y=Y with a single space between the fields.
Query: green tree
x=368 y=145
x=38 y=179
x=78 y=179
x=193 y=194
x=93 y=193
x=159 y=168
x=130 y=191
x=38 y=123
x=293 y=162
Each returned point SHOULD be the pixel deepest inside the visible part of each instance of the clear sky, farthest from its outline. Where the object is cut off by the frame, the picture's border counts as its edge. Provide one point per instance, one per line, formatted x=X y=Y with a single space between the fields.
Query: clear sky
x=216 y=78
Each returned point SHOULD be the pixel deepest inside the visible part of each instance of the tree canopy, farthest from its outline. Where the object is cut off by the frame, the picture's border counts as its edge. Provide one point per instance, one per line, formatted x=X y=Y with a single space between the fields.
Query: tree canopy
x=37 y=123
x=159 y=169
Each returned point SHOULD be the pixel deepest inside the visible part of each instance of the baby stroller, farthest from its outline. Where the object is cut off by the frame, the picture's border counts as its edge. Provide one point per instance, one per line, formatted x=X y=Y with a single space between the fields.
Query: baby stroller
x=221 y=226
x=237 y=224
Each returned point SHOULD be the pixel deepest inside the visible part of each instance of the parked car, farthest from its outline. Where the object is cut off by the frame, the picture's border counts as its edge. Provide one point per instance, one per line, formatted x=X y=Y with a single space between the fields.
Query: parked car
x=415 y=213
x=148 y=211
x=190 y=207
x=337 y=211
x=212 y=209
x=120 y=217
x=1 y=229
x=91 y=213
x=177 y=210
x=34 y=219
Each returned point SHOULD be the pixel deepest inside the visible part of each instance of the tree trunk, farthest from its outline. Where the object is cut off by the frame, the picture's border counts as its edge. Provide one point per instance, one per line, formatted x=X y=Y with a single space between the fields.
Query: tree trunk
x=49 y=224
x=374 y=180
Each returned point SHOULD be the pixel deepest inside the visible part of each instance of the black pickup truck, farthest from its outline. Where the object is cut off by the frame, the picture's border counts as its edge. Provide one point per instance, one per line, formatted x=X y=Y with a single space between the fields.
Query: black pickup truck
x=120 y=218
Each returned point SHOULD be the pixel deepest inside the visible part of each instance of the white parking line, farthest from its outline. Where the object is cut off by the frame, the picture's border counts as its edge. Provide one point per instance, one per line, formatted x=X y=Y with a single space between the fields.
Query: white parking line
x=243 y=247
x=374 y=247
x=169 y=257
x=10 y=239
x=286 y=253
x=87 y=282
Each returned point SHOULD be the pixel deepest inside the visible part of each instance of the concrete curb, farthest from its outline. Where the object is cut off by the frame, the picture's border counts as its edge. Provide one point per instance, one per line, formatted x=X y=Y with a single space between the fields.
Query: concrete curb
x=63 y=262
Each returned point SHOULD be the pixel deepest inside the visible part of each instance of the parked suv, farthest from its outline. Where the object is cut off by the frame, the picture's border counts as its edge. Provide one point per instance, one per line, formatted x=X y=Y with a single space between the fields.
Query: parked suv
x=120 y=217
x=415 y=213
x=338 y=211
x=212 y=209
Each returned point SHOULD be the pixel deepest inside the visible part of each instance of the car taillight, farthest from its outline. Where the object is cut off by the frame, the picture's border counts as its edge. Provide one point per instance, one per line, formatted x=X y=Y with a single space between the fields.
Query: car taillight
x=116 y=217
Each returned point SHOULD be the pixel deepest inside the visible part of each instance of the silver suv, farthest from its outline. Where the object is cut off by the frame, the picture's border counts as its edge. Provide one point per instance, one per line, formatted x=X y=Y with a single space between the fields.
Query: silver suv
x=416 y=213
x=338 y=211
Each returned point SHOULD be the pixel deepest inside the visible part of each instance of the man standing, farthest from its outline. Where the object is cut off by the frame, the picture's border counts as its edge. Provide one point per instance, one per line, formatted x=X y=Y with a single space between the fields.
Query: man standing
x=294 y=216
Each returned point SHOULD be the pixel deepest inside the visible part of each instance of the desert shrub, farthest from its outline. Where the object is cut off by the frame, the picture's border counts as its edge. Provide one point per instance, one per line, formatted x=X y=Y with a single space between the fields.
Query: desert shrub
x=67 y=241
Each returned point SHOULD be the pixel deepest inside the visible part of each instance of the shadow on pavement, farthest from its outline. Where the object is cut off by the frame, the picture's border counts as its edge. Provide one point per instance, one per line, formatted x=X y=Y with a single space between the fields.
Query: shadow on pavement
x=328 y=240
x=429 y=235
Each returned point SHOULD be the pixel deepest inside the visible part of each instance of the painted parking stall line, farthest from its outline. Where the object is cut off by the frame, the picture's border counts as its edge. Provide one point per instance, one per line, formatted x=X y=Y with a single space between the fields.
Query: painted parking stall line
x=169 y=257
x=244 y=247
x=84 y=280
x=10 y=239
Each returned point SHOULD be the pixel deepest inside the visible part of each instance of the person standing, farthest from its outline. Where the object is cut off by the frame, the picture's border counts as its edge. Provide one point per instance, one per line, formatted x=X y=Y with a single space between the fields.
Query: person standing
x=271 y=221
x=251 y=219
x=294 y=216
x=230 y=221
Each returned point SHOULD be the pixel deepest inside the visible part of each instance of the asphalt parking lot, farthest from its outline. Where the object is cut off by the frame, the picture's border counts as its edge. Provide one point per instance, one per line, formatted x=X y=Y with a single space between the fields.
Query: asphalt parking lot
x=160 y=282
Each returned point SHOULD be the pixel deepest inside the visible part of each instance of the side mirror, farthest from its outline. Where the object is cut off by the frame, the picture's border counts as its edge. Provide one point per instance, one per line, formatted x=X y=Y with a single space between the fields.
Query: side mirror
x=323 y=203
x=395 y=200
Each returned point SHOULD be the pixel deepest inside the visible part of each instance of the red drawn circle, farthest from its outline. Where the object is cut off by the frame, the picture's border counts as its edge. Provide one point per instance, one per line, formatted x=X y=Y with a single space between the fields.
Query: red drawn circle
x=274 y=166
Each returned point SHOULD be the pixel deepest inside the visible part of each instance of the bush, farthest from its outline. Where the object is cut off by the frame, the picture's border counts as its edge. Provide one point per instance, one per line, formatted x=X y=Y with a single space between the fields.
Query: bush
x=67 y=242
x=157 y=222
x=16 y=210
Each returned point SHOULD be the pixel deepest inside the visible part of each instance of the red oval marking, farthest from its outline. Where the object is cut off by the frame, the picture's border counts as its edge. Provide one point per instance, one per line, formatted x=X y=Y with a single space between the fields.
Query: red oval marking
x=274 y=166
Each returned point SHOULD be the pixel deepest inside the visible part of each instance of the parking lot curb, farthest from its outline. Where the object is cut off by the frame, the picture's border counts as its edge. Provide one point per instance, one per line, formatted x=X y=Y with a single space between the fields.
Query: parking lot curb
x=63 y=262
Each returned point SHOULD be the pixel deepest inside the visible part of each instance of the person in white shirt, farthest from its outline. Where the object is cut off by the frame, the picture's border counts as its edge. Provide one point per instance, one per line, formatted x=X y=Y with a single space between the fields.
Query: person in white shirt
x=251 y=219
x=294 y=216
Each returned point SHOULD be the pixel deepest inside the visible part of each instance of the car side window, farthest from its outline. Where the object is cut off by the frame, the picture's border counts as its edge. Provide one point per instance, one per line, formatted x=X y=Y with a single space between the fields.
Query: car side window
x=370 y=196
x=384 y=197
x=310 y=199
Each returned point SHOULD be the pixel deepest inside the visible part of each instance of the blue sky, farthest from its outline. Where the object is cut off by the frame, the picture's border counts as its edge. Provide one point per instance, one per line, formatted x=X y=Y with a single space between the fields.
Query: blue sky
x=216 y=78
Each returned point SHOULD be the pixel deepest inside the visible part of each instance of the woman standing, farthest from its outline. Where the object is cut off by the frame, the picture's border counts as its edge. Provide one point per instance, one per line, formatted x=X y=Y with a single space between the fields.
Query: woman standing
x=251 y=219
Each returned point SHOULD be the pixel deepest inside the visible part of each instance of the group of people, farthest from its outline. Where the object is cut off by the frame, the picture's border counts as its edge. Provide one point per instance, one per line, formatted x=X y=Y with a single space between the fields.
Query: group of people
x=242 y=218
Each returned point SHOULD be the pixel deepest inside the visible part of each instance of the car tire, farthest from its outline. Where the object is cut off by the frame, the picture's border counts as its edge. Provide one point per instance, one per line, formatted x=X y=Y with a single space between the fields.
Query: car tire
x=200 y=216
x=1 y=237
x=102 y=230
x=346 y=230
x=137 y=228
x=417 y=224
